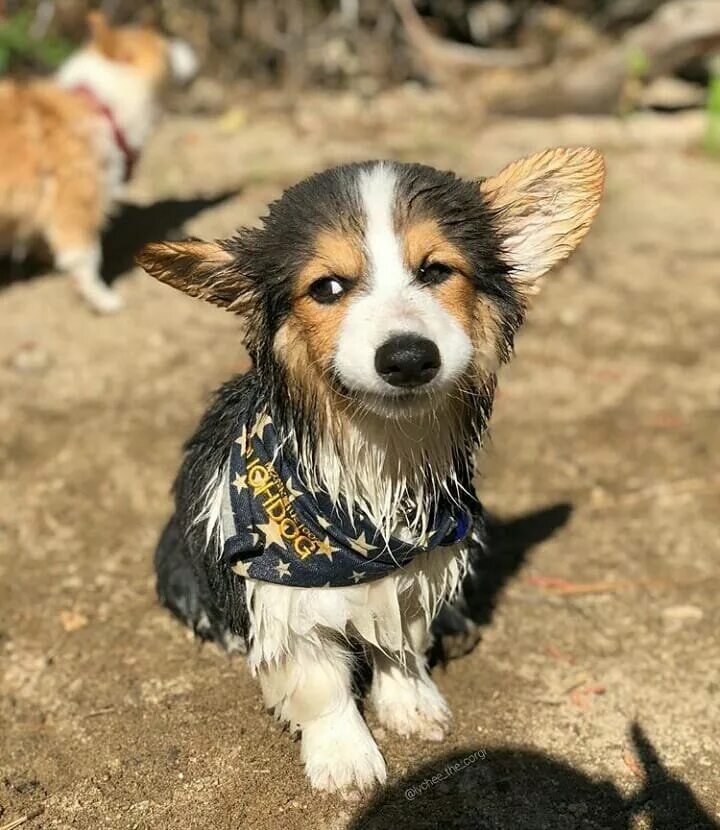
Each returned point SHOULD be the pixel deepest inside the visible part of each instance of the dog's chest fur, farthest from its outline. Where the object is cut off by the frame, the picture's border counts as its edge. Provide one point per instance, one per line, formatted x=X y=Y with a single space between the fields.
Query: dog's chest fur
x=377 y=613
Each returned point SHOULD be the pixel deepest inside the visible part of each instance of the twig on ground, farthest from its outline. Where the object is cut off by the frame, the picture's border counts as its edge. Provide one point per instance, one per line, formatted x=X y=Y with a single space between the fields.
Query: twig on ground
x=18 y=822
x=562 y=587
x=96 y=713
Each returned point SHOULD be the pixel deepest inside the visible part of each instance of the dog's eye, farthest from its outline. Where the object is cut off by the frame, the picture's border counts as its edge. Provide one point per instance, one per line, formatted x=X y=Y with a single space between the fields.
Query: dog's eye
x=433 y=273
x=327 y=290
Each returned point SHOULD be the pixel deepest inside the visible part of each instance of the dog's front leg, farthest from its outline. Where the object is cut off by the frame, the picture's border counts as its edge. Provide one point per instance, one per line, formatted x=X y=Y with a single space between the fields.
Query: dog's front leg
x=310 y=688
x=404 y=696
x=82 y=262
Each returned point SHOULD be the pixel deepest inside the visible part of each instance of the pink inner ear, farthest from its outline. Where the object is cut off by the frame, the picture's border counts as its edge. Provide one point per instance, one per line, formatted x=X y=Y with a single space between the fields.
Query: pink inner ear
x=544 y=205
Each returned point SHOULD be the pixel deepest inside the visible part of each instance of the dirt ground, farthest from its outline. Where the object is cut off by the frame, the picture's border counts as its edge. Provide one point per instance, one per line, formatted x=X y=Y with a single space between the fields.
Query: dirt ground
x=592 y=700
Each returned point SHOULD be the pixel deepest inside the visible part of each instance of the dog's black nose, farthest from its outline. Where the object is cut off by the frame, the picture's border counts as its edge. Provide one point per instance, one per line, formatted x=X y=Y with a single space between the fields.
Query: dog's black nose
x=407 y=360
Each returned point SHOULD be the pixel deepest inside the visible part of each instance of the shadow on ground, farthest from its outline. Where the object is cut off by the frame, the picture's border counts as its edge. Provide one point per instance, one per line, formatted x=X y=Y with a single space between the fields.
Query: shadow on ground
x=457 y=628
x=132 y=227
x=516 y=789
x=136 y=225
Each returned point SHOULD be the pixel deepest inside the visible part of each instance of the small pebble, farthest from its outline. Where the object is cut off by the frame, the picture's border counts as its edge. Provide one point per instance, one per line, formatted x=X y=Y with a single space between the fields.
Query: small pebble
x=30 y=358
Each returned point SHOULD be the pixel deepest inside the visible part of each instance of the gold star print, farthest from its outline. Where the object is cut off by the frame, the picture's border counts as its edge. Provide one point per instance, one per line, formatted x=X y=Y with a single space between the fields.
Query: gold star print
x=326 y=548
x=323 y=521
x=263 y=420
x=282 y=568
x=272 y=534
x=242 y=569
x=240 y=482
x=360 y=544
x=357 y=576
x=292 y=493
x=242 y=438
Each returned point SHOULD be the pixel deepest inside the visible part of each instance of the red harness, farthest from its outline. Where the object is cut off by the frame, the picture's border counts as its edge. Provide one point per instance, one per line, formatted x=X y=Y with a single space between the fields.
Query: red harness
x=129 y=154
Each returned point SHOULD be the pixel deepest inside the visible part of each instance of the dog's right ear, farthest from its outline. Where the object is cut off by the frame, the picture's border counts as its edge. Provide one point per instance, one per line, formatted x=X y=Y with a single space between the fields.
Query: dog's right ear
x=207 y=270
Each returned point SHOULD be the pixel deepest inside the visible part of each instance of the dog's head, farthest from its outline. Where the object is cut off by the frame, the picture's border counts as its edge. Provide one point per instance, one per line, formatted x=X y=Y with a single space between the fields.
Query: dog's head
x=142 y=50
x=388 y=288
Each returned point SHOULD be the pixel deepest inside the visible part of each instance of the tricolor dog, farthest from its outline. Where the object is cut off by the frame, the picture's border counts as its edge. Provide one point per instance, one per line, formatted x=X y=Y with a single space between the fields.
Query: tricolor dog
x=325 y=505
x=68 y=145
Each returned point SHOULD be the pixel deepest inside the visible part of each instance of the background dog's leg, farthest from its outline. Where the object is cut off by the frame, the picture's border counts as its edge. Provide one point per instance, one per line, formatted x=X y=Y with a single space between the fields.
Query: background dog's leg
x=82 y=262
x=405 y=697
x=311 y=689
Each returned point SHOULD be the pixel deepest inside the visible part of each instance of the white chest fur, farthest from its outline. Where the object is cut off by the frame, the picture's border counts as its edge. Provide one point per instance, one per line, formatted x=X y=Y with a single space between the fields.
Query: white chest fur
x=379 y=612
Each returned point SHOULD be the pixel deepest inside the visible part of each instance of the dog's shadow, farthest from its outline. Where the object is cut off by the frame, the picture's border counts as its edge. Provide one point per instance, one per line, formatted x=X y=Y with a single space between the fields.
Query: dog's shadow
x=136 y=225
x=457 y=627
x=129 y=229
x=516 y=789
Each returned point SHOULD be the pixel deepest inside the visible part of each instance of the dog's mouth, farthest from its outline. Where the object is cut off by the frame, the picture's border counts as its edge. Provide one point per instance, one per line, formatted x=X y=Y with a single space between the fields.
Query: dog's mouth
x=391 y=404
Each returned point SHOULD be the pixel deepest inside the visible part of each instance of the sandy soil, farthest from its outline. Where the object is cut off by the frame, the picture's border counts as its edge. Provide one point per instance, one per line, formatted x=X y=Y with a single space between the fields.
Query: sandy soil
x=592 y=700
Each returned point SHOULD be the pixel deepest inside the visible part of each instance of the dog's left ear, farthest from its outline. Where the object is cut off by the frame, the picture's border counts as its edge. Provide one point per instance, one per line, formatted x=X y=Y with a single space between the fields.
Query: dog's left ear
x=542 y=206
x=102 y=35
x=207 y=270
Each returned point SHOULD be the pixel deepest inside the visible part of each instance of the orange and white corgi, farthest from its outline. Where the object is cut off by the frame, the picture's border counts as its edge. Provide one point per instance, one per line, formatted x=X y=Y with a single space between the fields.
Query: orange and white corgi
x=69 y=144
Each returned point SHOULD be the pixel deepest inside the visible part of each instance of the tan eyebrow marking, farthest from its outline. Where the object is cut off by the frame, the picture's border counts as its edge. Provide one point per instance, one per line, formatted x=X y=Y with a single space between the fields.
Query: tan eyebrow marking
x=425 y=239
x=335 y=252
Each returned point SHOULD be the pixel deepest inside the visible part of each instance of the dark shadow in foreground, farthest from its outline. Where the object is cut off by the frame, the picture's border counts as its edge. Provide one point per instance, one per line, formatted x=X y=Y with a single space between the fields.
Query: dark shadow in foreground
x=129 y=229
x=516 y=789
x=456 y=629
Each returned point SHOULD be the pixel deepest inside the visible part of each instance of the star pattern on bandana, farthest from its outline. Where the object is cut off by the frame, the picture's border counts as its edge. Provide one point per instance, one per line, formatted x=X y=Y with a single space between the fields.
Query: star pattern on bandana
x=327 y=548
x=262 y=421
x=290 y=533
x=291 y=491
x=282 y=568
x=360 y=544
x=242 y=569
x=272 y=534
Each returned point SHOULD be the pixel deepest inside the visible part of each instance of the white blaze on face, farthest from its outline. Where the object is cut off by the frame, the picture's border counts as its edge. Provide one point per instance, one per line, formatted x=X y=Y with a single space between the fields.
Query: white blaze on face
x=393 y=302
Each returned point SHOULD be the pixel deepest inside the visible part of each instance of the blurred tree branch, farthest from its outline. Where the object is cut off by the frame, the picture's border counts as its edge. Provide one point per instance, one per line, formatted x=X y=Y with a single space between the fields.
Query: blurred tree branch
x=532 y=57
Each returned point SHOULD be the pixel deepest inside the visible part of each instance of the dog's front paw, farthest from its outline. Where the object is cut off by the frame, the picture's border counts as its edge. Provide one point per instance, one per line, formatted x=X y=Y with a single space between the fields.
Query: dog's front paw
x=340 y=754
x=411 y=706
x=101 y=298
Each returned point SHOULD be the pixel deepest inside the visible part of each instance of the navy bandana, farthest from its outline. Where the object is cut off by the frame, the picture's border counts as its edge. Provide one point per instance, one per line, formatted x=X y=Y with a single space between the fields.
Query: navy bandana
x=286 y=534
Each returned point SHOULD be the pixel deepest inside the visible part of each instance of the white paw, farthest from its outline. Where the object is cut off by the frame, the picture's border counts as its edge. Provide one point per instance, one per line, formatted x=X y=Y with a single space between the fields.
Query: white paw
x=106 y=302
x=411 y=706
x=340 y=754
x=101 y=297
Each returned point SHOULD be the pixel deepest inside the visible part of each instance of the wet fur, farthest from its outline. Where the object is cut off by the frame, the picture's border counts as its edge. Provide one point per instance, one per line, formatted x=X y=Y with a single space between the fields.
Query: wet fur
x=386 y=458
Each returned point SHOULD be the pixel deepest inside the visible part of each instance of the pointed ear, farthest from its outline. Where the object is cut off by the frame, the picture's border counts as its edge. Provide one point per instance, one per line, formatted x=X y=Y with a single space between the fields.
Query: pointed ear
x=102 y=36
x=200 y=269
x=542 y=207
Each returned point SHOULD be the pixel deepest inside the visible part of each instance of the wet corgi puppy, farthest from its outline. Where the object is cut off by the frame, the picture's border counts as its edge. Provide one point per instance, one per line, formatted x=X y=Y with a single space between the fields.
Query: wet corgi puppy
x=71 y=142
x=325 y=505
